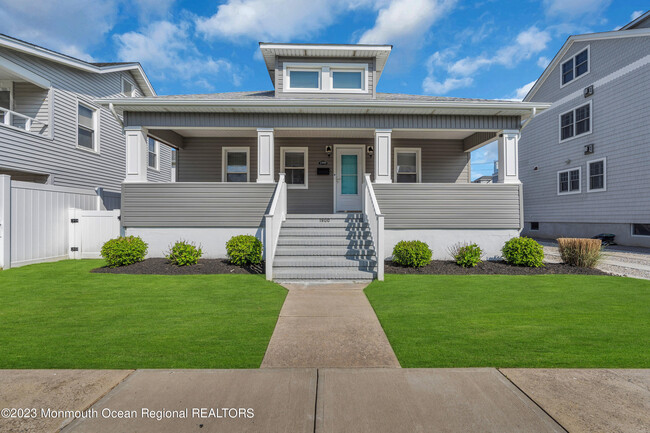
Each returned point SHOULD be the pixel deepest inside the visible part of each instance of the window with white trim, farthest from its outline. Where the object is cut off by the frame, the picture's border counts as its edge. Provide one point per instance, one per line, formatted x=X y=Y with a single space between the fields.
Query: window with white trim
x=86 y=127
x=575 y=122
x=303 y=79
x=325 y=77
x=236 y=164
x=575 y=67
x=127 y=88
x=154 y=154
x=568 y=181
x=347 y=79
x=407 y=165
x=597 y=175
x=293 y=162
x=640 y=229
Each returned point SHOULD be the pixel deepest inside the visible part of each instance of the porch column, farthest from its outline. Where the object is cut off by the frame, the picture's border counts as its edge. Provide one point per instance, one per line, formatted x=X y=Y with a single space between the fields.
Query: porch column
x=137 y=154
x=265 y=155
x=508 y=156
x=382 y=155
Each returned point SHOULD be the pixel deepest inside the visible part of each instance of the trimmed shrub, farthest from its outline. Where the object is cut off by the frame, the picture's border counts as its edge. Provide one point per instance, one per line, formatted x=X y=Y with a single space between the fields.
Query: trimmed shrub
x=523 y=252
x=244 y=250
x=184 y=253
x=124 y=251
x=413 y=254
x=466 y=255
x=580 y=252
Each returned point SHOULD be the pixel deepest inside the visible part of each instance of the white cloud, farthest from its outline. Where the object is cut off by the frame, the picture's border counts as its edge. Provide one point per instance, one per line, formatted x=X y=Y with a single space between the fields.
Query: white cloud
x=635 y=15
x=405 y=19
x=522 y=91
x=543 y=62
x=575 y=8
x=166 y=51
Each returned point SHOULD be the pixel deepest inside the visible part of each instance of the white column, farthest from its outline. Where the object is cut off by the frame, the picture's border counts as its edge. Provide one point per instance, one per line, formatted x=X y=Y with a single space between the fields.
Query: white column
x=265 y=155
x=508 y=156
x=137 y=154
x=5 y=221
x=382 y=155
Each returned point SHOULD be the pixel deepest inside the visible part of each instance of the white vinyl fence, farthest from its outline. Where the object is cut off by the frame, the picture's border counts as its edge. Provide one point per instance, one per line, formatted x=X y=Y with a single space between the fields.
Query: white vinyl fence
x=35 y=221
x=90 y=229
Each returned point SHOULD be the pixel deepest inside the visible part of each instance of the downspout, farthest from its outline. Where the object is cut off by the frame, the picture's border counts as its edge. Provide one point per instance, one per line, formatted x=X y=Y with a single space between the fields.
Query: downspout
x=533 y=113
x=111 y=107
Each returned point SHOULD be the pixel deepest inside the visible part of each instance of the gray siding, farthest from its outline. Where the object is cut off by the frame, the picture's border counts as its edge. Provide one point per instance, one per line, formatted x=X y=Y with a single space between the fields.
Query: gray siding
x=449 y=206
x=58 y=155
x=443 y=161
x=620 y=133
x=32 y=101
x=200 y=159
x=287 y=120
x=279 y=77
x=195 y=205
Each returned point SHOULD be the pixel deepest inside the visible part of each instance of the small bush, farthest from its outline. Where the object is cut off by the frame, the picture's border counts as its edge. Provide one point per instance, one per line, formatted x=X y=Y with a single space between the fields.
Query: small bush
x=523 y=252
x=466 y=255
x=580 y=252
x=124 y=251
x=413 y=254
x=184 y=253
x=244 y=250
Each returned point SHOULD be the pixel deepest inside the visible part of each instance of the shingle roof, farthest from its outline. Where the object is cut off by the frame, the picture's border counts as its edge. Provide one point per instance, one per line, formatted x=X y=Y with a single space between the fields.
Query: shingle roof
x=270 y=94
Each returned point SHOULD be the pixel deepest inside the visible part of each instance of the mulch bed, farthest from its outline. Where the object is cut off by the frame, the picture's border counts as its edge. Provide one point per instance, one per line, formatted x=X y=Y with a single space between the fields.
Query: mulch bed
x=162 y=266
x=444 y=267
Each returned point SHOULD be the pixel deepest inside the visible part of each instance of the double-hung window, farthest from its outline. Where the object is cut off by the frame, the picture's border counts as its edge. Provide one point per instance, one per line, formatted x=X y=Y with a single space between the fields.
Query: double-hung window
x=86 y=127
x=236 y=164
x=575 y=122
x=575 y=67
x=293 y=162
x=407 y=165
x=154 y=153
x=597 y=175
x=568 y=181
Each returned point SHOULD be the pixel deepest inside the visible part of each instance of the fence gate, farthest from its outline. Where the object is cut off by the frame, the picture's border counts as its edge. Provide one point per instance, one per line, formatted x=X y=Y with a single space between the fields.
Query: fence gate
x=89 y=229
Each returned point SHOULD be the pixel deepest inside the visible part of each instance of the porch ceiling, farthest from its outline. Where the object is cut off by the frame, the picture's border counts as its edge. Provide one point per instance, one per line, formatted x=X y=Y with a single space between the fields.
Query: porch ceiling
x=326 y=133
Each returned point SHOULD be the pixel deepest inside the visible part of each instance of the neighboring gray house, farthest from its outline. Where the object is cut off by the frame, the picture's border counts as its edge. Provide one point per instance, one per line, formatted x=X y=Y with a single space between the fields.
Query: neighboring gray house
x=53 y=131
x=584 y=162
x=326 y=170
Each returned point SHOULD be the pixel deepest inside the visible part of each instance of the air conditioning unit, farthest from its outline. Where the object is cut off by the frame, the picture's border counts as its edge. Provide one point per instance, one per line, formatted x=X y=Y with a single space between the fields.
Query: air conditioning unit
x=588 y=91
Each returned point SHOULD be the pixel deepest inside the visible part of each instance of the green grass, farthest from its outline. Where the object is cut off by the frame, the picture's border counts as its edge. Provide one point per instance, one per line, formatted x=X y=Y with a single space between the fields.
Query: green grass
x=515 y=321
x=59 y=315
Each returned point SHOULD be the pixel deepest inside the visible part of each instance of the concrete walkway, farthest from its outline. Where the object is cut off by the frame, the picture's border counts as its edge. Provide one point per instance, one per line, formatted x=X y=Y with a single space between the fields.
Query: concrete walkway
x=328 y=325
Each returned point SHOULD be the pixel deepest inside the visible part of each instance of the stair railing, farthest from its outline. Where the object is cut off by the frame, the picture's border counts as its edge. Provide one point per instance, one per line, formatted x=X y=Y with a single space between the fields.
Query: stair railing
x=373 y=216
x=273 y=222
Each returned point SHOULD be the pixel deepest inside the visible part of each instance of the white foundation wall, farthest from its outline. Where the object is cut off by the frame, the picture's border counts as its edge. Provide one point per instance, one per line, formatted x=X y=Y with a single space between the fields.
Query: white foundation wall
x=212 y=240
x=440 y=240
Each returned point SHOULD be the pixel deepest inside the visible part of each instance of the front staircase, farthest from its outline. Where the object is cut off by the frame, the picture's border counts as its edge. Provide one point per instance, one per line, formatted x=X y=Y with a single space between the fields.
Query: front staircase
x=325 y=247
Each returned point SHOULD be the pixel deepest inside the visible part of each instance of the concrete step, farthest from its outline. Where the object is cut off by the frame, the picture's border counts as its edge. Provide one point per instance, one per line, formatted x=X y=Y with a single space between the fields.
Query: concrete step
x=324 y=232
x=321 y=273
x=311 y=223
x=329 y=241
x=319 y=250
x=336 y=216
x=323 y=262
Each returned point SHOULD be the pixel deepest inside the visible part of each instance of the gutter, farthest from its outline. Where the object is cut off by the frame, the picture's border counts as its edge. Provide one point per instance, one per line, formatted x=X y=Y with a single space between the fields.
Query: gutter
x=533 y=113
x=111 y=107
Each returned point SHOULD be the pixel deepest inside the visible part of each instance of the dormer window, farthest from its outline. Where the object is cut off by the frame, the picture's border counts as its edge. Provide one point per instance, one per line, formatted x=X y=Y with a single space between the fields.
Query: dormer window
x=325 y=78
x=347 y=80
x=304 y=79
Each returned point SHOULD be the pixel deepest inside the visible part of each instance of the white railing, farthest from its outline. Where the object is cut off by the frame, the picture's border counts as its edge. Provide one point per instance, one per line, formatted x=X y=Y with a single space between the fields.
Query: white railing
x=375 y=220
x=273 y=222
x=20 y=121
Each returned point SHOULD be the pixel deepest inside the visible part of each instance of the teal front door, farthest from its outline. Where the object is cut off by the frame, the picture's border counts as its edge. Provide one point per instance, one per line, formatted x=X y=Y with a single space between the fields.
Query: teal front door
x=348 y=179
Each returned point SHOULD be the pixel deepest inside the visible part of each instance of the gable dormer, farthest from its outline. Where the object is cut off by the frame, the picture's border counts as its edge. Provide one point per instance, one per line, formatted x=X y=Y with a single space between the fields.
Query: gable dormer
x=324 y=71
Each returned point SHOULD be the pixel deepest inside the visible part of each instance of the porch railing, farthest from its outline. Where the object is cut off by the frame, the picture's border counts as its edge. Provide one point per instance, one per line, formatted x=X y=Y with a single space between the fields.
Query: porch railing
x=375 y=220
x=20 y=121
x=273 y=222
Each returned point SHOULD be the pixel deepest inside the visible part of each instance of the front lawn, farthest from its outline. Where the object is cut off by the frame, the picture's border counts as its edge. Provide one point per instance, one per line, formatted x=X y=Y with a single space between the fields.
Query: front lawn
x=59 y=315
x=515 y=321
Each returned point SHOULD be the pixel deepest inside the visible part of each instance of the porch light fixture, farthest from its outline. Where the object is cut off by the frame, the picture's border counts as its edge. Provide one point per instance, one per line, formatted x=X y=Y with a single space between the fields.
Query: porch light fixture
x=328 y=150
x=371 y=151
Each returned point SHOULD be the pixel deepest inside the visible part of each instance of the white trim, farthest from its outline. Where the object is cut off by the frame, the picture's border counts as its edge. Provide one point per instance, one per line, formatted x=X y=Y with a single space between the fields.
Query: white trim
x=418 y=161
x=157 y=153
x=634 y=235
x=575 y=77
x=604 y=188
x=591 y=118
x=286 y=71
x=334 y=165
x=569 y=170
x=305 y=151
x=96 y=115
x=224 y=161
x=325 y=78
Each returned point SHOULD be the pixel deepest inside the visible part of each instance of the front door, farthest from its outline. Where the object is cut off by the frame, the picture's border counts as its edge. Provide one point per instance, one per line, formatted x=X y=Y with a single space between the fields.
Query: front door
x=348 y=177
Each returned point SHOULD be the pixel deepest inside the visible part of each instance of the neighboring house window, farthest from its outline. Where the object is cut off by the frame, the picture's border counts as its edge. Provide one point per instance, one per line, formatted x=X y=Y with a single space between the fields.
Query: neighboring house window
x=347 y=80
x=294 y=165
x=304 y=79
x=597 y=175
x=127 y=88
x=154 y=154
x=640 y=229
x=407 y=165
x=575 y=67
x=236 y=163
x=86 y=127
x=568 y=181
x=575 y=122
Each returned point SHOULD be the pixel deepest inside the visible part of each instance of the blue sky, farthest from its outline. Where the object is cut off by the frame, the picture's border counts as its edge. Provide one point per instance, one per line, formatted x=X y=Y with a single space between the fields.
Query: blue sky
x=479 y=49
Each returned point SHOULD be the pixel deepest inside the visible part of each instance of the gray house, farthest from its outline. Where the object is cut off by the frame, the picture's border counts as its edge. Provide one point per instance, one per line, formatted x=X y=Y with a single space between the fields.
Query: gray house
x=584 y=161
x=53 y=131
x=328 y=172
